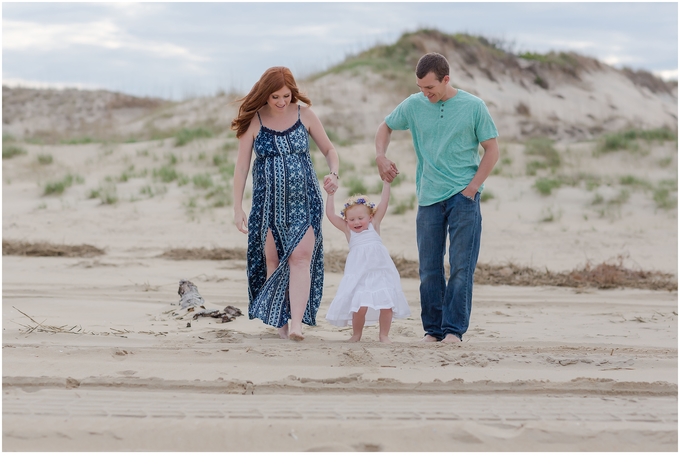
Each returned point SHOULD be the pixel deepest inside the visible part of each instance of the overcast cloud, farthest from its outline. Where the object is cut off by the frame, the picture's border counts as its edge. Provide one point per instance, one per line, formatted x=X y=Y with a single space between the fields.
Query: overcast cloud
x=175 y=50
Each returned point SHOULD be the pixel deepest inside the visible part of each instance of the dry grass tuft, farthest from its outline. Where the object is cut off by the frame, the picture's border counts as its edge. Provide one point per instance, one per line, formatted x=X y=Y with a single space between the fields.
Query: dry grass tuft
x=42 y=328
x=334 y=261
x=217 y=254
x=17 y=248
x=605 y=275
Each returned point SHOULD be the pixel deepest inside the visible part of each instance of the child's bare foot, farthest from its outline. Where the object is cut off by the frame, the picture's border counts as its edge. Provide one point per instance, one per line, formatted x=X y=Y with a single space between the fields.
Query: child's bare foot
x=451 y=338
x=354 y=339
x=296 y=336
x=385 y=339
x=283 y=331
x=428 y=339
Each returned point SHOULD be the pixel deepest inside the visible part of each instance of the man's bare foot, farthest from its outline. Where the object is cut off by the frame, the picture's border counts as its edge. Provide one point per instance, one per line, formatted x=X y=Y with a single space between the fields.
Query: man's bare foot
x=385 y=339
x=295 y=336
x=428 y=339
x=354 y=339
x=283 y=331
x=451 y=338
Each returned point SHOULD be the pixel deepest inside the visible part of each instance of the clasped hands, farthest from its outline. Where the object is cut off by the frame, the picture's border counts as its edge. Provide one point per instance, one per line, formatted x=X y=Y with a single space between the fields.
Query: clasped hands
x=330 y=183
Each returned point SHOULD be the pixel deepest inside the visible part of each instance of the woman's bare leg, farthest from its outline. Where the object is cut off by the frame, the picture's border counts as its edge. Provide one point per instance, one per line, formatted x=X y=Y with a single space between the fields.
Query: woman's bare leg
x=272 y=258
x=385 y=322
x=358 y=320
x=300 y=261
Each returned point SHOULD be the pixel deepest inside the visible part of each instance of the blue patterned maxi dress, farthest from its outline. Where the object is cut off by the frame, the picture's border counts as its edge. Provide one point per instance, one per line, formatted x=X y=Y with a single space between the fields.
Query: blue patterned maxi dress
x=286 y=199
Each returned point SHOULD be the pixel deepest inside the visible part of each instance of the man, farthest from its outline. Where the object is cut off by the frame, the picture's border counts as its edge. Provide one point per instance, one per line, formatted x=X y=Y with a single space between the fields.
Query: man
x=447 y=126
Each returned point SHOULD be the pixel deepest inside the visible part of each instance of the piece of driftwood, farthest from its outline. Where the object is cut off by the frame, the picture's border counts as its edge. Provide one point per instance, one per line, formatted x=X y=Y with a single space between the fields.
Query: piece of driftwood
x=227 y=315
x=192 y=304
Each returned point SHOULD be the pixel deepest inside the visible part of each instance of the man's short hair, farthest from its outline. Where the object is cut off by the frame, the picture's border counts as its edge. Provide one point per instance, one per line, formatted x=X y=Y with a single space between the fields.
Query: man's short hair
x=432 y=62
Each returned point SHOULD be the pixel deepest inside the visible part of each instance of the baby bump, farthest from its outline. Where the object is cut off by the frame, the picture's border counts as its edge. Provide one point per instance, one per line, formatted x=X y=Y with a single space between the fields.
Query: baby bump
x=286 y=182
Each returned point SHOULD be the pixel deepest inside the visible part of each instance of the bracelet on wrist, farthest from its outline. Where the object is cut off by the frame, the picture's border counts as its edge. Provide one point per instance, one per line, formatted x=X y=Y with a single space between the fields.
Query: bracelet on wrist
x=335 y=174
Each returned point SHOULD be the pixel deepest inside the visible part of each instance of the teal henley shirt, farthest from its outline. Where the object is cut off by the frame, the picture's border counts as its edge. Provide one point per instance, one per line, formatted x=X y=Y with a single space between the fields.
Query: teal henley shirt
x=446 y=137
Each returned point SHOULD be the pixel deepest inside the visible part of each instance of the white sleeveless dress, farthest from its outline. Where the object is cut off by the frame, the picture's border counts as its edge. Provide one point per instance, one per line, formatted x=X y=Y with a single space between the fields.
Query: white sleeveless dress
x=370 y=280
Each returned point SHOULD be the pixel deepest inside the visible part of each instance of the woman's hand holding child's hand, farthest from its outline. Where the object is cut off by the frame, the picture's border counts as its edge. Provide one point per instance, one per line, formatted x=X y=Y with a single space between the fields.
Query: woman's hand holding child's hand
x=330 y=183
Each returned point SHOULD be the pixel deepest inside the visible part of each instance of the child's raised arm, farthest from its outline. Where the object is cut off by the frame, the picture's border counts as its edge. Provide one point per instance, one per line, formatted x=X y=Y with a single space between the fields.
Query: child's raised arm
x=334 y=218
x=381 y=210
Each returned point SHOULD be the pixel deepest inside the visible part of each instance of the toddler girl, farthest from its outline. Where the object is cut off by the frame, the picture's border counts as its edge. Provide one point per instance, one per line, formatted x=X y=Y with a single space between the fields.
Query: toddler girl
x=370 y=289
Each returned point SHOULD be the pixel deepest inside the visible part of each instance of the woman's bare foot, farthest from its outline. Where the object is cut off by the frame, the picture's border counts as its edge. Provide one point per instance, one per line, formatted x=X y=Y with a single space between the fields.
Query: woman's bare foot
x=283 y=331
x=451 y=338
x=354 y=339
x=428 y=339
x=385 y=339
x=296 y=336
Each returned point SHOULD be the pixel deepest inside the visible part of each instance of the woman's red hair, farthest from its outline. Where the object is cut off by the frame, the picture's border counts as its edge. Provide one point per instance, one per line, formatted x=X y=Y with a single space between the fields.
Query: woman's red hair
x=273 y=79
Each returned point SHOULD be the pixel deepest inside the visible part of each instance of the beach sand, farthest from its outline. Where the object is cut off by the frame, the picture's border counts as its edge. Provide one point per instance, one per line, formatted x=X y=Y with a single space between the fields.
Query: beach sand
x=93 y=360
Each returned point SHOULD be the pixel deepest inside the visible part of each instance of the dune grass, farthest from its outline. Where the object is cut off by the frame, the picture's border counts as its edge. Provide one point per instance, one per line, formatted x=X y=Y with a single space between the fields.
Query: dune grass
x=486 y=195
x=57 y=187
x=545 y=186
x=629 y=139
x=663 y=197
x=635 y=182
x=355 y=185
x=79 y=140
x=106 y=193
x=220 y=195
x=45 y=159
x=543 y=147
x=402 y=206
x=151 y=191
x=166 y=174
x=186 y=135
x=202 y=181
x=11 y=151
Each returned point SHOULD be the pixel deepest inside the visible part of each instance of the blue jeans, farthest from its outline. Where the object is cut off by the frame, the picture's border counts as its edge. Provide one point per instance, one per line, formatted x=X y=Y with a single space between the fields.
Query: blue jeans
x=445 y=307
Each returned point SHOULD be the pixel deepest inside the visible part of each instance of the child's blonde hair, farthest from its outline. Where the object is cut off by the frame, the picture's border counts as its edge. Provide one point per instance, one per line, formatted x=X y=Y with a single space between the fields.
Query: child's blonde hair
x=357 y=199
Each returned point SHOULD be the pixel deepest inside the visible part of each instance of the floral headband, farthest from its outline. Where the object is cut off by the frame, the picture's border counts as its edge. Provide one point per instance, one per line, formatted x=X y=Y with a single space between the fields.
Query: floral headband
x=359 y=200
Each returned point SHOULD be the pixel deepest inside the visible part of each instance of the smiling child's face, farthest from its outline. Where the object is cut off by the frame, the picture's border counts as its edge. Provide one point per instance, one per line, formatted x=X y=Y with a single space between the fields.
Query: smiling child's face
x=358 y=217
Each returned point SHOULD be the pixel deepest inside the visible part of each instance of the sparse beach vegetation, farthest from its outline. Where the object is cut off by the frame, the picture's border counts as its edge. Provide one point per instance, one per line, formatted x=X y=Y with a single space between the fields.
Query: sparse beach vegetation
x=150 y=191
x=663 y=198
x=59 y=186
x=166 y=174
x=547 y=215
x=202 y=181
x=185 y=135
x=45 y=159
x=542 y=147
x=404 y=205
x=11 y=151
x=355 y=185
x=79 y=140
x=635 y=182
x=220 y=195
x=665 y=162
x=106 y=193
x=486 y=195
x=610 y=208
x=545 y=186
x=630 y=139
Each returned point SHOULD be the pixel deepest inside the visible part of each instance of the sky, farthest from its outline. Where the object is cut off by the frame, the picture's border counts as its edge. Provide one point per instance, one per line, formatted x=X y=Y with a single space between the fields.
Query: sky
x=183 y=50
